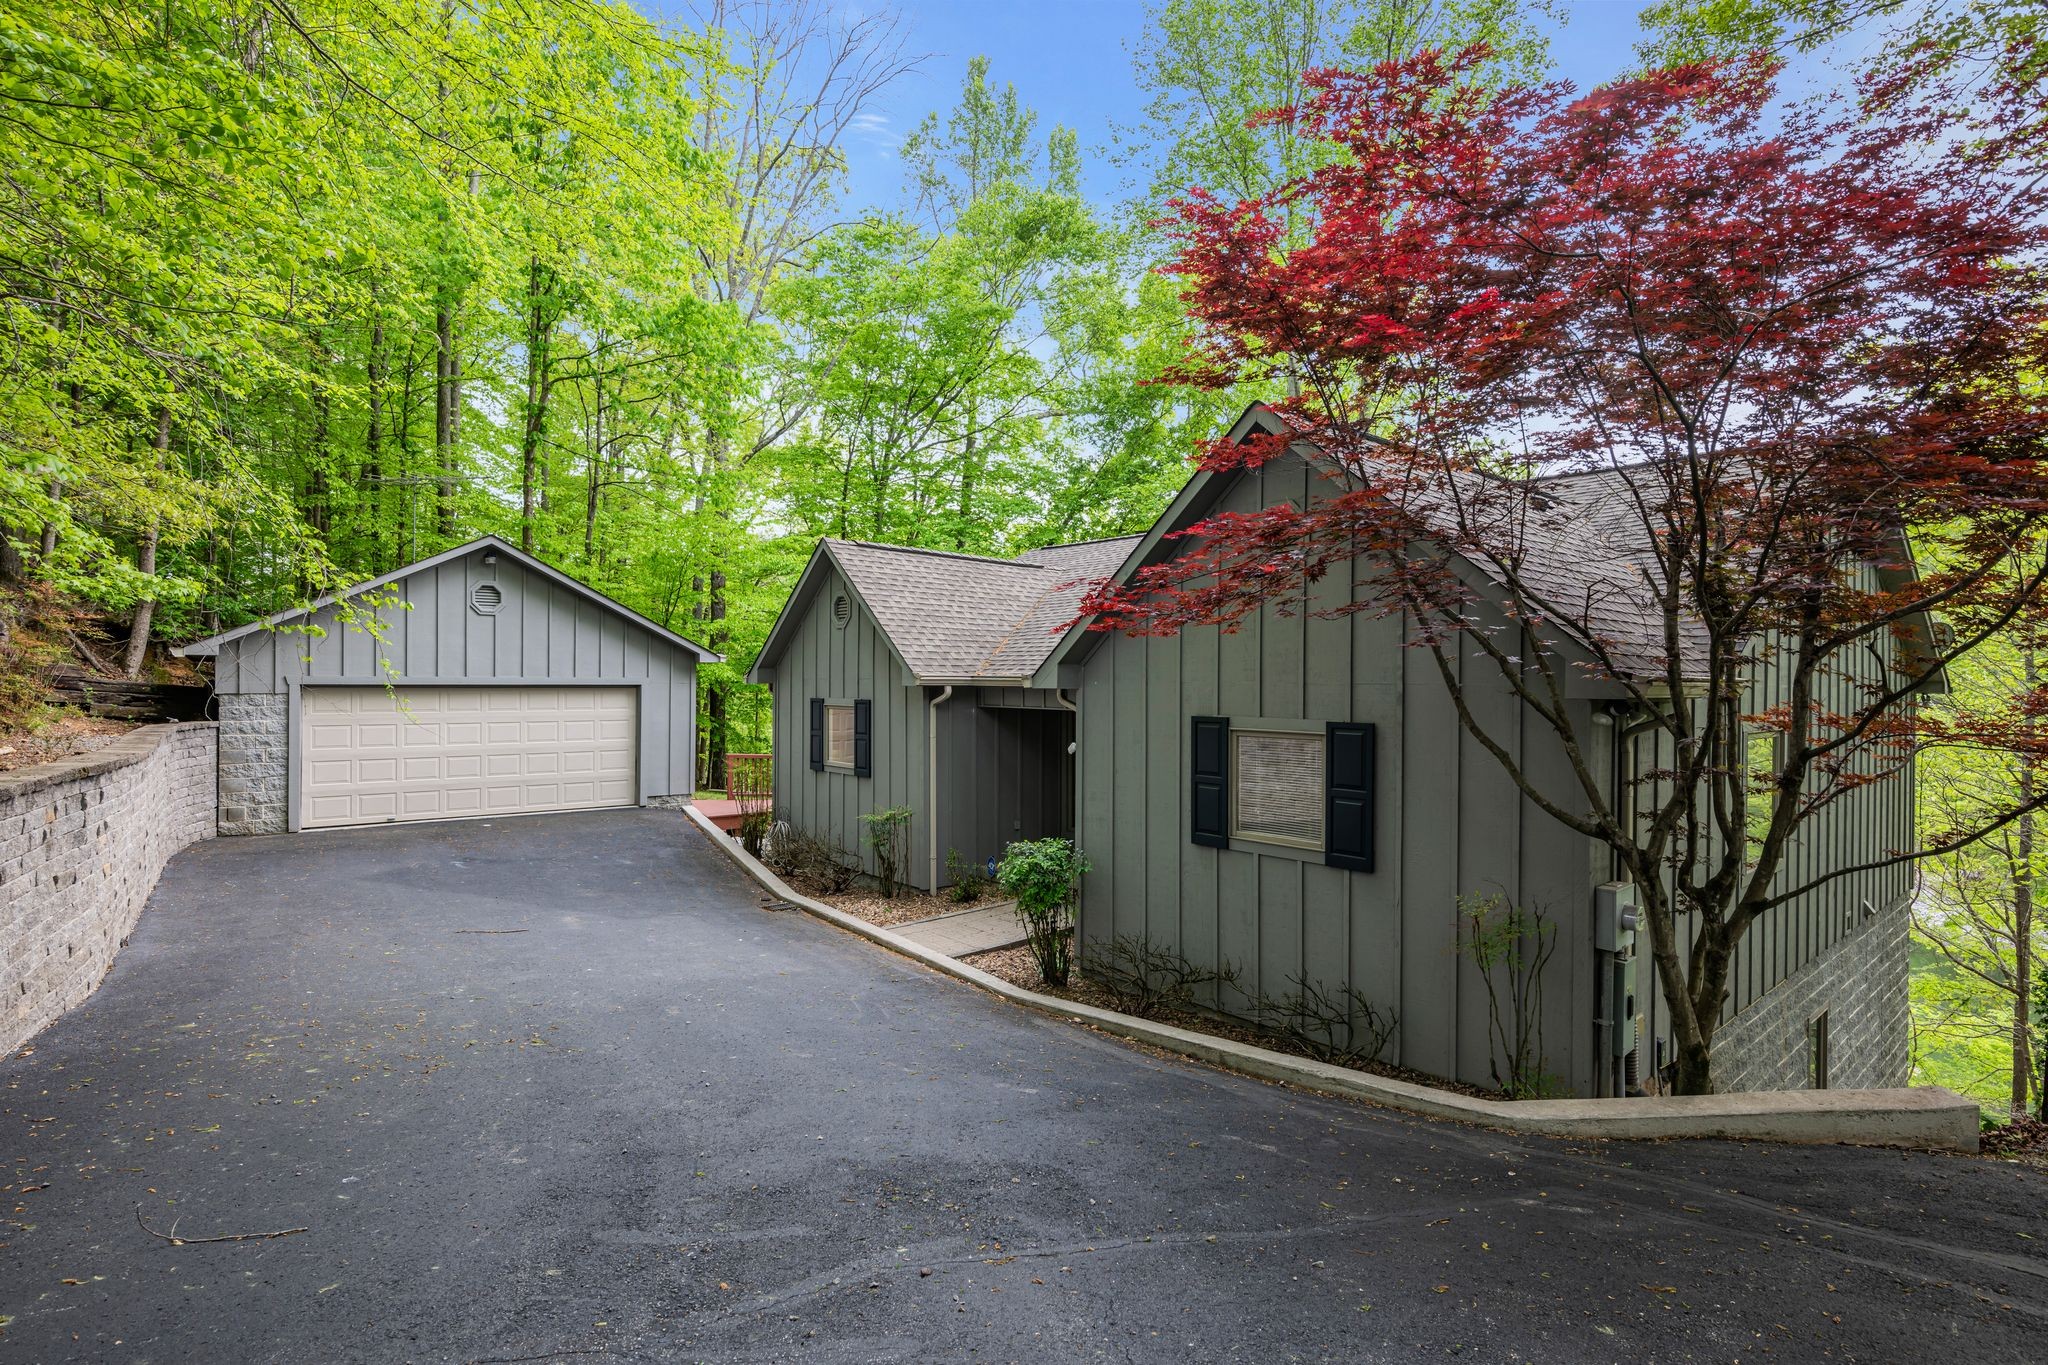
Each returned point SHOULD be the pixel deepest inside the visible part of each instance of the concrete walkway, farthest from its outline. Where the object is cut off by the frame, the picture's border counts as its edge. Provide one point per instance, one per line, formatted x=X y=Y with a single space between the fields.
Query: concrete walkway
x=962 y=933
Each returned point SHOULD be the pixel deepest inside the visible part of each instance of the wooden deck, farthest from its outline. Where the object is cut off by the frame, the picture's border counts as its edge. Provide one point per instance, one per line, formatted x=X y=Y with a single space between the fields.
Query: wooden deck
x=724 y=814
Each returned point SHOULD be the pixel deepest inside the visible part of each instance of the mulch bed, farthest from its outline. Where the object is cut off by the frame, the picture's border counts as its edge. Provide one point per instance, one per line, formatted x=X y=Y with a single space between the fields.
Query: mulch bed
x=907 y=906
x=68 y=735
x=1019 y=968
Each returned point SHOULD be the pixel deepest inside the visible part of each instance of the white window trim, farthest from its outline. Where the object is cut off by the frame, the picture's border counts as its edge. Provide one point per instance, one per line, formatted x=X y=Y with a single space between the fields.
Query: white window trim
x=832 y=764
x=1285 y=730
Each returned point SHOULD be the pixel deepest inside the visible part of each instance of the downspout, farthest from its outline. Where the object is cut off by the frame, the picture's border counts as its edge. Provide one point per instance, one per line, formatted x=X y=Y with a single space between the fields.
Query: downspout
x=1612 y=1072
x=932 y=756
x=1059 y=694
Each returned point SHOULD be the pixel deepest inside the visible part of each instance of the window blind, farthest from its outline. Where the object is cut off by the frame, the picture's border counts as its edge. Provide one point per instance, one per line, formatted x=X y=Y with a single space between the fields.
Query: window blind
x=839 y=736
x=1277 y=785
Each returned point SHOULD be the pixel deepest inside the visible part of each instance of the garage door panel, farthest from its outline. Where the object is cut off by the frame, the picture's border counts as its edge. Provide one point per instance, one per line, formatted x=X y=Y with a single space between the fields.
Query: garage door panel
x=439 y=752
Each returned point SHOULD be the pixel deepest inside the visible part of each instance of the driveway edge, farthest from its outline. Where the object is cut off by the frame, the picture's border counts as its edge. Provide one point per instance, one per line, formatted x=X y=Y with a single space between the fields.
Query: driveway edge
x=1921 y=1117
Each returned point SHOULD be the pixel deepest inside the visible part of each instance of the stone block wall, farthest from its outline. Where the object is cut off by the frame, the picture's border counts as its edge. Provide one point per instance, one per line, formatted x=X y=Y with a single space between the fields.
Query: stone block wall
x=255 y=744
x=82 y=842
x=1861 y=983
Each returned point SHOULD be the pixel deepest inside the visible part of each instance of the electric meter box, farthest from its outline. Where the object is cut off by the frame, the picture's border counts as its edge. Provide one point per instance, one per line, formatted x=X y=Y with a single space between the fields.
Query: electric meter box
x=1615 y=917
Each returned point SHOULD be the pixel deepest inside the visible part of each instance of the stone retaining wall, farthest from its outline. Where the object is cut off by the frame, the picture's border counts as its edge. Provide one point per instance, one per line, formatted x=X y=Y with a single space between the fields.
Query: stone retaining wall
x=1861 y=984
x=82 y=841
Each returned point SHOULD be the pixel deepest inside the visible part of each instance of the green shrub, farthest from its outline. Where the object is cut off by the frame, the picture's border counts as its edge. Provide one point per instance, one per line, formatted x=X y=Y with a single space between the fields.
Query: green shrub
x=888 y=833
x=1511 y=946
x=753 y=829
x=1044 y=875
x=970 y=880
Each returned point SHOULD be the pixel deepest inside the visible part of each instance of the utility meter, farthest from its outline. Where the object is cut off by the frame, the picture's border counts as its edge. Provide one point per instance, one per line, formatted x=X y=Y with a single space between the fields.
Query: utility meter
x=1615 y=916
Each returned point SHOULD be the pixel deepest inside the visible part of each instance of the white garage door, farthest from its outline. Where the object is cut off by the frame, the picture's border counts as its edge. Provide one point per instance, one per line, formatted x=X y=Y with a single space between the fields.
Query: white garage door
x=437 y=753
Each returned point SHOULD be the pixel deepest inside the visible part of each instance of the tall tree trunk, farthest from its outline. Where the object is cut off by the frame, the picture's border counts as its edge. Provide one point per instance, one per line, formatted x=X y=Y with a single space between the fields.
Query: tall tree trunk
x=447 y=402
x=966 y=489
x=319 y=491
x=594 y=478
x=539 y=385
x=447 y=363
x=372 y=495
x=145 y=562
x=2023 y=921
x=48 y=545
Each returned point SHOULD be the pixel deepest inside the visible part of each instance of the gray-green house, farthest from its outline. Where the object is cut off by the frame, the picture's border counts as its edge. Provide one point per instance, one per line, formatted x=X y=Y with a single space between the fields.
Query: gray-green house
x=1298 y=797
x=914 y=678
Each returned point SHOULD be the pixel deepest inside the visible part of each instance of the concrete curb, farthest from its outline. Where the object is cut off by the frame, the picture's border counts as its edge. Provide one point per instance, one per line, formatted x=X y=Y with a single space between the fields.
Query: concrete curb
x=1922 y=1116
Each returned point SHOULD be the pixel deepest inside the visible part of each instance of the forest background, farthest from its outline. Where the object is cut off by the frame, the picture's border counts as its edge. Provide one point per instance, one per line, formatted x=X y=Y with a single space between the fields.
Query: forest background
x=294 y=292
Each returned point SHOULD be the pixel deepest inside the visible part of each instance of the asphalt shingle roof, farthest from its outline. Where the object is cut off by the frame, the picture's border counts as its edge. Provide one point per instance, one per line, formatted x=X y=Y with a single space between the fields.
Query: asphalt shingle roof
x=1591 y=554
x=968 y=616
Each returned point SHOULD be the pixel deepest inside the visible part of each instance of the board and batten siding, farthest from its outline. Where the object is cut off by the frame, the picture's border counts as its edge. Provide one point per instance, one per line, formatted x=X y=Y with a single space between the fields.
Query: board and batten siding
x=1449 y=823
x=845 y=663
x=1861 y=825
x=542 y=633
x=1002 y=774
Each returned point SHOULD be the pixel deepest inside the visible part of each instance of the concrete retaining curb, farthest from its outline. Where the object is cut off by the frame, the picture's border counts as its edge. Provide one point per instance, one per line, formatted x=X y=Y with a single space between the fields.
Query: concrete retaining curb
x=1923 y=1116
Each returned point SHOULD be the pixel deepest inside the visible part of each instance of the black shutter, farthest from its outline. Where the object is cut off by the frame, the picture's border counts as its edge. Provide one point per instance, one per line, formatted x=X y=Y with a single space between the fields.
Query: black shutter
x=1347 y=784
x=863 y=738
x=817 y=734
x=1209 y=781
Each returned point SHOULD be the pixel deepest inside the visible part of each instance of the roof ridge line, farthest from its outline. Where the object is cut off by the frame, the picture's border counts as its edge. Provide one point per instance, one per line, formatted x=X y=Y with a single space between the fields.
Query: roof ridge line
x=942 y=554
x=1092 y=540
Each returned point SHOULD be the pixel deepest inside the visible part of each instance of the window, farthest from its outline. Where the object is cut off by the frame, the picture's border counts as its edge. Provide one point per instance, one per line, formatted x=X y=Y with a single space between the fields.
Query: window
x=1277 y=787
x=839 y=736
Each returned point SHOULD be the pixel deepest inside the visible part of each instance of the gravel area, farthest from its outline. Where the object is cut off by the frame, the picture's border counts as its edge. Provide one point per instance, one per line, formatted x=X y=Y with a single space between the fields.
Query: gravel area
x=1016 y=966
x=61 y=738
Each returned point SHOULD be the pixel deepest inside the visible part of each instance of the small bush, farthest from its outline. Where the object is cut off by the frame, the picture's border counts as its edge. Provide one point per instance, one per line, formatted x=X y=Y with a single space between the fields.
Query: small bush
x=888 y=833
x=1044 y=874
x=753 y=829
x=1147 y=980
x=970 y=880
x=1511 y=946
x=810 y=861
x=1331 y=1025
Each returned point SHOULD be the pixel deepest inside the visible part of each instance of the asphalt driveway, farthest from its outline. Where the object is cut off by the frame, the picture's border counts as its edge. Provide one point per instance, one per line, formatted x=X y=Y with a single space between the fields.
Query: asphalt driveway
x=561 y=1088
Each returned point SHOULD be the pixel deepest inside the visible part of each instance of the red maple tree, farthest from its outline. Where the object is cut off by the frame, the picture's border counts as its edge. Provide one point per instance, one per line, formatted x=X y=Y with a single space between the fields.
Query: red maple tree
x=1697 y=415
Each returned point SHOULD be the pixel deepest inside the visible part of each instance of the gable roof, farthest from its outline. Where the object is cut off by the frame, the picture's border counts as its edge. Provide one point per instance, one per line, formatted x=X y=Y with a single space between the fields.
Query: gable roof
x=210 y=646
x=954 y=617
x=1591 y=557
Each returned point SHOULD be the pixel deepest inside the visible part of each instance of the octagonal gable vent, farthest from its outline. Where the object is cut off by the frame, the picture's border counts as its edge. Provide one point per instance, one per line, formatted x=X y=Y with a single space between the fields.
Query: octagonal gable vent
x=485 y=599
x=842 y=610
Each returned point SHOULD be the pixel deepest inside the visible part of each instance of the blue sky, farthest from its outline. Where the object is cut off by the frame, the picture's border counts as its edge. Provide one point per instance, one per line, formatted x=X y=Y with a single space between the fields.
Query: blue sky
x=1070 y=59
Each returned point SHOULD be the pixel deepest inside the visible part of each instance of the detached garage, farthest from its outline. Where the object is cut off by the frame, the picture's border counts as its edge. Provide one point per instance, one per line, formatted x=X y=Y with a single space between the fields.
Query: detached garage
x=500 y=686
